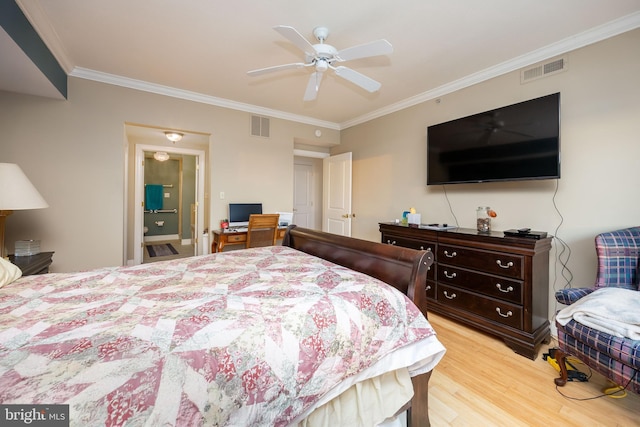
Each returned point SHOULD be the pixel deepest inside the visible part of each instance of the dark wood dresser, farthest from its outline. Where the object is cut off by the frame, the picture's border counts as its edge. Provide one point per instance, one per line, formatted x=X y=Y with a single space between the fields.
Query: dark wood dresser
x=33 y=264
x=489 y=281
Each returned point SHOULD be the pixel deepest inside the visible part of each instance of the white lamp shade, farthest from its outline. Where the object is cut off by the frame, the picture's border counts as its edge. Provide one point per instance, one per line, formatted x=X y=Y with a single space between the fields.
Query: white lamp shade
x=16 y=191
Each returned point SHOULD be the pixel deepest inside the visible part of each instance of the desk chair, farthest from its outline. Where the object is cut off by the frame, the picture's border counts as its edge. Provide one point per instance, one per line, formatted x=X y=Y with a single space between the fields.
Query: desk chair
x=262 y=230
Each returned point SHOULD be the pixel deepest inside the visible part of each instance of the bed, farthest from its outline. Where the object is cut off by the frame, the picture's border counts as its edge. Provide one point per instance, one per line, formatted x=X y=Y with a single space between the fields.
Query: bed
x=304 y=334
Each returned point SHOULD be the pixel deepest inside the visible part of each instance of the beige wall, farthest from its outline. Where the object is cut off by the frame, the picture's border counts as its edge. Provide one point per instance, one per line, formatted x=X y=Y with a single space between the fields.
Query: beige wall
x=600 y=143
x=75 y=153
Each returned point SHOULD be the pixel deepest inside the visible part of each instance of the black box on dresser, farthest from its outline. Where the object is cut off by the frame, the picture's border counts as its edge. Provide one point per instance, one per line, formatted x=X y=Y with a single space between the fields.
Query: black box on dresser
x=493 y=282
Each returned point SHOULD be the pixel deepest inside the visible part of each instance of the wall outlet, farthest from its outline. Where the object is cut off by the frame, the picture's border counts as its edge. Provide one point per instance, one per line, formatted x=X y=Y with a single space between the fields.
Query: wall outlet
x=167 y=195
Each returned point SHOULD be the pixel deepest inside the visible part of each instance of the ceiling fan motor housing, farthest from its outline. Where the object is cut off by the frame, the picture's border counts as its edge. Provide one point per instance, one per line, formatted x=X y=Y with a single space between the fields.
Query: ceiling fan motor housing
x=325 y=55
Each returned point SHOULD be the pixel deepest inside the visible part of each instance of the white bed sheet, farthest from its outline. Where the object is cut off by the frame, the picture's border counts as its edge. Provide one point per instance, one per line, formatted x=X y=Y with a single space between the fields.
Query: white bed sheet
x=383 y=392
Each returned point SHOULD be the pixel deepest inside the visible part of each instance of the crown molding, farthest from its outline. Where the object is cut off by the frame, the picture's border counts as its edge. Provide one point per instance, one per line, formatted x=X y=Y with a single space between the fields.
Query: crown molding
x=116 y=80
x=594 y=35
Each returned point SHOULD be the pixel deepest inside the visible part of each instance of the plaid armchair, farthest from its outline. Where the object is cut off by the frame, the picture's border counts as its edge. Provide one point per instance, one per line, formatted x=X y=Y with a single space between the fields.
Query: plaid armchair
x=616 y=358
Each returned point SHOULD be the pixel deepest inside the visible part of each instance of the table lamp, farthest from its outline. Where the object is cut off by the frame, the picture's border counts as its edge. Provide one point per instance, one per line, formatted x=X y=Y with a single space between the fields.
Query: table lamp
x=16 y=193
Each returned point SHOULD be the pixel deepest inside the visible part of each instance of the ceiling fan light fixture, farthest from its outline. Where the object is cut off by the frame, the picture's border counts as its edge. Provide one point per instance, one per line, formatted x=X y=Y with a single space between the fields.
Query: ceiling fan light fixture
x=174 y=136
x=161 y=156
x=322 y=65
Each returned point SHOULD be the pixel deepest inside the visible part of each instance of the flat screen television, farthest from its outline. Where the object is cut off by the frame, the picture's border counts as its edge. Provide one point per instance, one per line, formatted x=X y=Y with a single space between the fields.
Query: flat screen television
x=239 y=213
x=512 y=143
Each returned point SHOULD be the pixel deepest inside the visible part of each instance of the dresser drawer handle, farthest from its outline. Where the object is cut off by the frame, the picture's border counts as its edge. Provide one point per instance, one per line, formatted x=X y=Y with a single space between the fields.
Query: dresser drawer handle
x=508 y=265
x=499 y=286
x=390 y=242
x=423 y=249
x=428 y=287
x=450 y=255
x=449 y=297
x=509 y=313
x=449 y=276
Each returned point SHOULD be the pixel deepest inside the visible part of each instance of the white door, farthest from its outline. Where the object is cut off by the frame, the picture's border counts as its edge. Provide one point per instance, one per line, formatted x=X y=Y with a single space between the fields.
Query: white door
x=336 y=195
x=303 y=195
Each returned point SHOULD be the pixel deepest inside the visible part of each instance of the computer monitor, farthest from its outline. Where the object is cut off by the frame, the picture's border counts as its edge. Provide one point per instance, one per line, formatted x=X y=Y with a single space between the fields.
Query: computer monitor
x=239 y=213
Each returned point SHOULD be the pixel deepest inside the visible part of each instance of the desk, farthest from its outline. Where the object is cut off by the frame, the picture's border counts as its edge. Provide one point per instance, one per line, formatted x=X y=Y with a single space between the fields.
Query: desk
x=221 y=238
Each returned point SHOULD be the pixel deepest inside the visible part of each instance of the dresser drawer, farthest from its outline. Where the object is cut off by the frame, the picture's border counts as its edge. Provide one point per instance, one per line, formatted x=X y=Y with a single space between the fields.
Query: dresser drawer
x=431 y=289
x=493 y=286
x=499 y=263
x=419 y=245
x=489 y=308
x=236 y=238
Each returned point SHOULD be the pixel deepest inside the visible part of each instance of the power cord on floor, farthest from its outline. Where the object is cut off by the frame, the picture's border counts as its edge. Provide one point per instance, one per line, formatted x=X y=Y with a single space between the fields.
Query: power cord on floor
x=615 y=392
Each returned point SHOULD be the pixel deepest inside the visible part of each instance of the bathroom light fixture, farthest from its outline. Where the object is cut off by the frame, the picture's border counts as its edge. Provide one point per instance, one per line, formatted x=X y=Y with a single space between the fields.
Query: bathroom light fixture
x=161 y=156
x=174 y=136
x=16 y=193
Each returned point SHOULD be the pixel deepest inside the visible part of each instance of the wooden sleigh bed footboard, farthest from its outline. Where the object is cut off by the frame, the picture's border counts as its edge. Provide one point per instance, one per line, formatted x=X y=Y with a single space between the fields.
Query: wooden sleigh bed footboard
x=404 y=269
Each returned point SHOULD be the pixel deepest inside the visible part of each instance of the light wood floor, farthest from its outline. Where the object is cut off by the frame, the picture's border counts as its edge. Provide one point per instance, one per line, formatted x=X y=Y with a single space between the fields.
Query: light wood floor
x=482 y=382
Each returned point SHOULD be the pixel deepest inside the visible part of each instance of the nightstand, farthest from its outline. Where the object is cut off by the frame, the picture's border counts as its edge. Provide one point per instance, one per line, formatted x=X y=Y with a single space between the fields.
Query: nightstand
x=33 y=264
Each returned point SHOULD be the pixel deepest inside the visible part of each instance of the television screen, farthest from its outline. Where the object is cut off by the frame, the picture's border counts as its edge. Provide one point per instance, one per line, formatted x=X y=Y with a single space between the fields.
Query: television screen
x=239 y=213
x=517 y=142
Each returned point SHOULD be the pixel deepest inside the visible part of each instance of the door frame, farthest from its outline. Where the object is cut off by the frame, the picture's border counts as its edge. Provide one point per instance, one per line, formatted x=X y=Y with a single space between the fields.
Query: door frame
x=138 y=231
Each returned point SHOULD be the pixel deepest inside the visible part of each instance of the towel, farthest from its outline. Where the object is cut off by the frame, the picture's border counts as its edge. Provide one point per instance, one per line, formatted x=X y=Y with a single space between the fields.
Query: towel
x=153 y=197
x=615 y=311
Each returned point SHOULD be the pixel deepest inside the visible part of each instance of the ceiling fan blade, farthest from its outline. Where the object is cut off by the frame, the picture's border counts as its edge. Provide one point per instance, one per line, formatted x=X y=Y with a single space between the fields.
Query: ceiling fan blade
x=296 y=38
x=355 y=77
x=276 y=68
x=312 y=86
x=375 y=48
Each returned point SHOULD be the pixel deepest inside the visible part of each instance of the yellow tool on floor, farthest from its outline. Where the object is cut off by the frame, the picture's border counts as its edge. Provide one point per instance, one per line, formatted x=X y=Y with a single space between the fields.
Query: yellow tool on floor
x=613 y=390
x=573 y=374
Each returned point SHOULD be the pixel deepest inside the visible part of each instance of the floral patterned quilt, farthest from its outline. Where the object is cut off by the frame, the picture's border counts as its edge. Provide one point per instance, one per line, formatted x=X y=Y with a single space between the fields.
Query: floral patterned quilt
x=246 y=338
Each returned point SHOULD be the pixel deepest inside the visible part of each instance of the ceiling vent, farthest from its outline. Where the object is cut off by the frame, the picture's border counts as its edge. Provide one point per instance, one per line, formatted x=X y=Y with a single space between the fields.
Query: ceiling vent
x=545 y=69
x=260 y=126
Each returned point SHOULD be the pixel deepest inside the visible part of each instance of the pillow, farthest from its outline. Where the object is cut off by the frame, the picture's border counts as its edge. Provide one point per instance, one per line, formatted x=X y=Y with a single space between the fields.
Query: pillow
x=8 y=272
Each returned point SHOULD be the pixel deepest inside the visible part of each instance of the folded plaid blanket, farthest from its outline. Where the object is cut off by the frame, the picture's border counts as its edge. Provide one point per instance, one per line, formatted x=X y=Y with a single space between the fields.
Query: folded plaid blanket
x=615 y=311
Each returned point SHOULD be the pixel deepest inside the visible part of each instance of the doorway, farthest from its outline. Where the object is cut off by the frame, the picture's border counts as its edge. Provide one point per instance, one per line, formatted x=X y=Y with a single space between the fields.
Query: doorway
x=322 y=191
x=170 y=199
x=307 y=192
x=188 y=215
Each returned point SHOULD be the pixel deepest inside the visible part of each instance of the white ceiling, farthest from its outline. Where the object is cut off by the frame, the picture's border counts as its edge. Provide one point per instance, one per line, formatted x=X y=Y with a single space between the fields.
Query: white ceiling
x=202 y=49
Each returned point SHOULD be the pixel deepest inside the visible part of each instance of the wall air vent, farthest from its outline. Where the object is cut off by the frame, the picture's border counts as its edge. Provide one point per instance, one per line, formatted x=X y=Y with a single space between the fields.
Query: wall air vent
x=545 y=69
x=260 y=126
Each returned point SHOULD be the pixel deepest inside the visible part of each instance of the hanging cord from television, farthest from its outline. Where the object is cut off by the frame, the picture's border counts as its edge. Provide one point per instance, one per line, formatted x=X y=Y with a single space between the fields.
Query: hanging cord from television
x=446 y=197
x=563 y=251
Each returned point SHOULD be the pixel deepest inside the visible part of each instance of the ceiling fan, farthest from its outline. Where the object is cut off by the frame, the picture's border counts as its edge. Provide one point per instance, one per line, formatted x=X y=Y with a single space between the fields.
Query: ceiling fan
x=322 y=57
